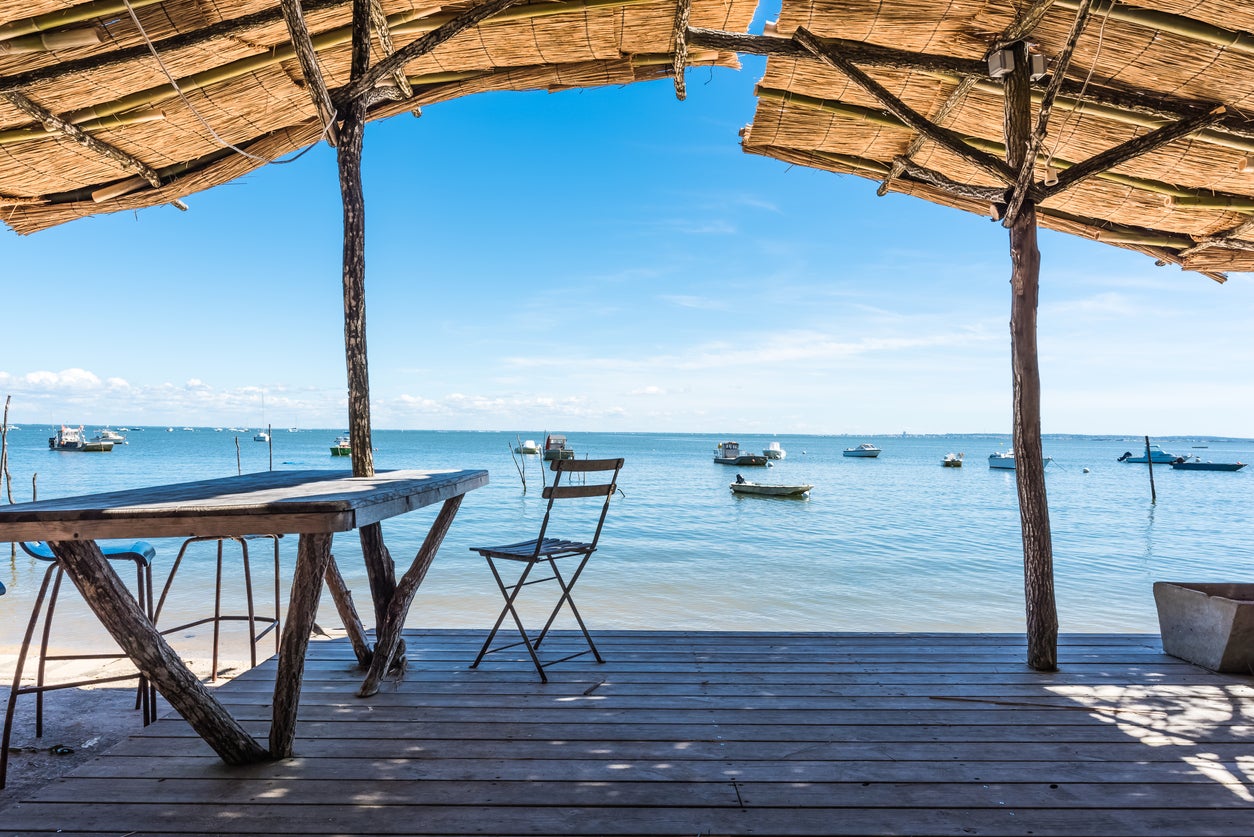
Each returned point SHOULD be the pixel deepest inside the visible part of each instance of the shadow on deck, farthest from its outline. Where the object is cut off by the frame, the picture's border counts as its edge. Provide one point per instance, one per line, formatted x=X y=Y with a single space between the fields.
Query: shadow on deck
x=707 y=733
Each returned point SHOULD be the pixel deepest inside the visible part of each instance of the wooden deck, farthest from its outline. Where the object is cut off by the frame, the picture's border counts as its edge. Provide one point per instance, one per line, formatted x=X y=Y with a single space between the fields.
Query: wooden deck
x=707 y=733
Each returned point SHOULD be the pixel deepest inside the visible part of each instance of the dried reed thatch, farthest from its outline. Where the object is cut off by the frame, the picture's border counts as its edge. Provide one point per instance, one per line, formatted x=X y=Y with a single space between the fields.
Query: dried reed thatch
x=1133 y=70
x=90 y=121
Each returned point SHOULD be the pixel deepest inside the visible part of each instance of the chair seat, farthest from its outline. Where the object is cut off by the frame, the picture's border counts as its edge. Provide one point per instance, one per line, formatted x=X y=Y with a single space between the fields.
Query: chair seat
x=141 y=552
x=526 y=550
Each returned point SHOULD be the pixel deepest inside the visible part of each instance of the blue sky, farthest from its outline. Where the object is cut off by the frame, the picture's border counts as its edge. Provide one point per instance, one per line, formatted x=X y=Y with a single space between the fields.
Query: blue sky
x=602 y=260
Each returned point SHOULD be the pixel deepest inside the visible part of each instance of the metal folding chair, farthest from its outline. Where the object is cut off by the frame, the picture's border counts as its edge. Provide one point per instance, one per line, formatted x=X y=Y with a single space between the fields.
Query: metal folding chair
x=139 y=553
x=548 y=550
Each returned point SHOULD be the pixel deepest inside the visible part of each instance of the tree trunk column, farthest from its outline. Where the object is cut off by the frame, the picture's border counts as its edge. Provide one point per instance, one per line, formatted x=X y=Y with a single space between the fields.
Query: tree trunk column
x=352 y=135
x=1038 y=556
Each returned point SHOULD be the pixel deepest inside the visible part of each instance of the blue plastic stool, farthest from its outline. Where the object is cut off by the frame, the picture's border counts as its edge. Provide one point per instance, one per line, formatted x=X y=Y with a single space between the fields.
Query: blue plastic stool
x=141 y=554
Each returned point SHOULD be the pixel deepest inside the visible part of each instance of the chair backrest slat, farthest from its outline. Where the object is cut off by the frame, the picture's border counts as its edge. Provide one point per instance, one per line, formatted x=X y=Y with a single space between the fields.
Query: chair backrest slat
x=586 y=465
x=557 y=491
x=566 y=492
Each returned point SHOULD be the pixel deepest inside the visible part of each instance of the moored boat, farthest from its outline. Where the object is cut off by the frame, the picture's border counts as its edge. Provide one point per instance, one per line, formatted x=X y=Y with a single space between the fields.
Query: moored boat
x=108 y=435
x=741 y=486
x=527 y=447
x=865 y=450
x=1006 y=460
x=774 y=451
x=555 y=448
x=1195 y=464
x=262 y=436
x=952 y=460
x=341 y=446
x=1156 y=455
x=729 y=453
x=73 y=439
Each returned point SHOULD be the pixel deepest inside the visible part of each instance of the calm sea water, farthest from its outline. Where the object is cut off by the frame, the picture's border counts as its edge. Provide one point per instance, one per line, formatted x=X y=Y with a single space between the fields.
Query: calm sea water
x=896 y=543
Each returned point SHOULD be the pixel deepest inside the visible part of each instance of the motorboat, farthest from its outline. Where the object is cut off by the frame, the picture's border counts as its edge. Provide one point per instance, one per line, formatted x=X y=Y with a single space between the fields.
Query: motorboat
x=952 y=460
x=73 y=439
x=342 y=446
x=1156 y=455
x=774 y=451
x=729 y=453
x=262 y=436
x=1195 y=464
x=555 y=448
x=747 y=487
x=1005 y=460
x=109 y=435
x=866 y=450
x=528 y=447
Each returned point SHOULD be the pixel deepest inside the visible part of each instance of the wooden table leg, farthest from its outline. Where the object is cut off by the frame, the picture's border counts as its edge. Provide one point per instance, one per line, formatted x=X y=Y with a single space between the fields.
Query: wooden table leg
x=312 y=557
x=127 y=623
x=389 y=631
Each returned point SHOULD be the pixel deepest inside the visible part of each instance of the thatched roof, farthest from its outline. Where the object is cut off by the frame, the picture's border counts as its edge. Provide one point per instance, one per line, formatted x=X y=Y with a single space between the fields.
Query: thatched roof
x=1134 y=69
x=86 y=129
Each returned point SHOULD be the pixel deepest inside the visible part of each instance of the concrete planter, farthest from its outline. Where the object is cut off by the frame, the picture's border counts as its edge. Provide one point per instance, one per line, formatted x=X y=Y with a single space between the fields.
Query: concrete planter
x=1211 y=625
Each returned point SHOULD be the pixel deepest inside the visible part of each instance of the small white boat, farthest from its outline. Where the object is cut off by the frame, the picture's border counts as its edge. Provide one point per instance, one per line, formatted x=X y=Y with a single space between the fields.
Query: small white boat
x=1005 y=460
x=528 y=447
x=866 y=449
x=952 y=460
x=774 y=451
x=108 y=435
x=262 y=436
x=746 y=487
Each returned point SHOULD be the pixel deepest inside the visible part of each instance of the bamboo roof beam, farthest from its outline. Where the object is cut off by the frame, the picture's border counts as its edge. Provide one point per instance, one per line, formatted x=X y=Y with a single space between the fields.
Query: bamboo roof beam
x=941 y=136
x=1124 y=106
x=1131 y=149
x=1028 y=168
x=302 y=44
x=68 y=17
x=1235 y=40
x=1196 y=197
x=56 y=124
x=121 y=57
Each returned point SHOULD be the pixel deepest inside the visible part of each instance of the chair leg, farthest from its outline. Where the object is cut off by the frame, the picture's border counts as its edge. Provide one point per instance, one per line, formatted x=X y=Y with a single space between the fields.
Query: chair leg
x=510 y=595
x=58 y=577
x=248 y=595
x=566 y=597
x=17 y=673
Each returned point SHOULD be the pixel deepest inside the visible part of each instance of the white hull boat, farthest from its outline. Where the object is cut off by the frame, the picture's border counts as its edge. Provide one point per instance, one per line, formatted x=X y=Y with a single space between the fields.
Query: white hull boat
x=1006 y=461
x=770 y=490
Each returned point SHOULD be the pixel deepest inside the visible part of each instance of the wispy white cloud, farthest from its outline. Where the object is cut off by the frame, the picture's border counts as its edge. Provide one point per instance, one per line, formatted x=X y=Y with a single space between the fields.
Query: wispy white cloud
x=703 y=303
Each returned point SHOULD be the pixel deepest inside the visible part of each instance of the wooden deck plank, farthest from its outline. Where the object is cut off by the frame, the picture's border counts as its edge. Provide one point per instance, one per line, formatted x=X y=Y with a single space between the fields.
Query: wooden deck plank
x=699 y=733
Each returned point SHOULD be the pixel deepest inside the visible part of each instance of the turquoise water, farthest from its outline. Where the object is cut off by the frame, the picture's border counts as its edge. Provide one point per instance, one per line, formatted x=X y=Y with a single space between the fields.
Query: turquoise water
x=896 y=543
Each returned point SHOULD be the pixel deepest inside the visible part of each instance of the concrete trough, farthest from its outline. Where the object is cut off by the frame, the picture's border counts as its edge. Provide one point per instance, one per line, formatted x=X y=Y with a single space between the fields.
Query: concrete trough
x=1211 y=625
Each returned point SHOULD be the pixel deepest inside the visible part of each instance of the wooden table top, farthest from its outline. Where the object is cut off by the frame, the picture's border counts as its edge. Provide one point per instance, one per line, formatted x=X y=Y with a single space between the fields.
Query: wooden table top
x=270 y=502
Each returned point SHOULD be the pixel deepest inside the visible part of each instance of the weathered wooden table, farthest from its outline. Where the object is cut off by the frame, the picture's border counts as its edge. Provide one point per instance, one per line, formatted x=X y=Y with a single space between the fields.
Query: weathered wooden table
x=312 y=504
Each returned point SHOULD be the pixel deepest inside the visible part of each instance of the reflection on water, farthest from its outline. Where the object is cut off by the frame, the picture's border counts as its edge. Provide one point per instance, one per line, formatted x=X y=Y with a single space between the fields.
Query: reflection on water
x=889 y=544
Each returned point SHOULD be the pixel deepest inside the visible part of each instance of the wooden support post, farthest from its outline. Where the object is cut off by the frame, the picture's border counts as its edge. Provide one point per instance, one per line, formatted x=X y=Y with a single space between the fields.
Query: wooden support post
x=343 y=598
x=352 y=133
x=1038 y=557
x=127 y=623
x=381 y=571
x=312 y=557
x=390 y=627
x=1149 y=463
x=348 y=157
